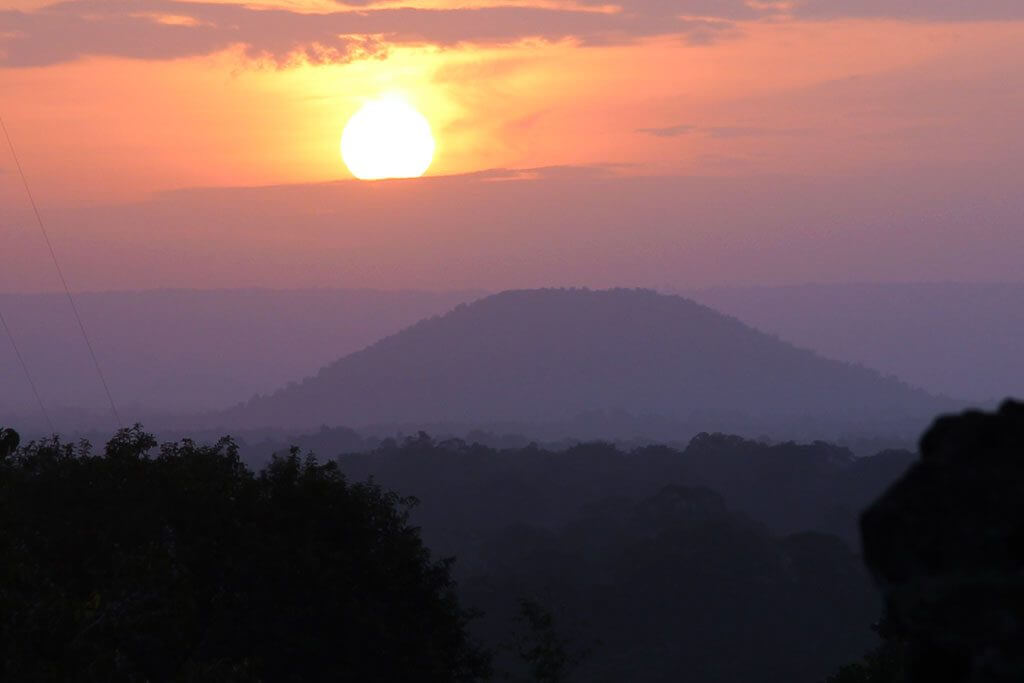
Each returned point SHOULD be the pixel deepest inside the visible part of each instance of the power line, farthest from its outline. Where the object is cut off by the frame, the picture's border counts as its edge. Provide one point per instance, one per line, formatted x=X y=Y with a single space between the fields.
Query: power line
x=28 y=375
x=60 y=273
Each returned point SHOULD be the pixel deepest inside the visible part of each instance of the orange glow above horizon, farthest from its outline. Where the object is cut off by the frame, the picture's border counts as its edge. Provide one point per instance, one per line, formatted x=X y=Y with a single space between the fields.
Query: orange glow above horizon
x=558 y=159
x=101 y=128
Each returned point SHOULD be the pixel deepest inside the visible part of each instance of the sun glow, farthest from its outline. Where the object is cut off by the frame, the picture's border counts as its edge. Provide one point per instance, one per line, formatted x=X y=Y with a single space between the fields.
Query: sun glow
x=387 y=138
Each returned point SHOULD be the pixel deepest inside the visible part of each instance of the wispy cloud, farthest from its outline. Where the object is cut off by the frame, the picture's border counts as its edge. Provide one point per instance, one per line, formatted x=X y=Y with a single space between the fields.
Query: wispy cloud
x=749 y=131
x=168 y=29
x=668 y=132
x=719 y=131
x=924 y=10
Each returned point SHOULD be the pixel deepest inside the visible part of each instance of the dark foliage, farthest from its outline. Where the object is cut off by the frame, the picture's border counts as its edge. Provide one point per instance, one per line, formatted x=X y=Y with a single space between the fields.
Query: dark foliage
x=591 y=563
x=548 y=655
x=9 y=441
x=946 y=544
x=638 y=552
x=885 y=664
x=178 y=564
x=467 y=489
x=676 y=583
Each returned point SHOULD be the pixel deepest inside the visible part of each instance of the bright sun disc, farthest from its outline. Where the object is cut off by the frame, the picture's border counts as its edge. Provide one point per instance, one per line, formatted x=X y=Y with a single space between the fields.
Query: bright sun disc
x=387 y=138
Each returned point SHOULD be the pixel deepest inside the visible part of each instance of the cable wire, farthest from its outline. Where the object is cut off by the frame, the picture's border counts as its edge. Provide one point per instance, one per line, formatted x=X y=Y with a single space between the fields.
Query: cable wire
x=60 y=273
x=28 y=375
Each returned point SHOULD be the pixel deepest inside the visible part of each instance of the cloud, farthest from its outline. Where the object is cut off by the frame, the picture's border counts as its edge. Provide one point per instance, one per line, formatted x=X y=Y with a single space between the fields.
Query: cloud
x=722 y=132
x=752 y=10
x=922 y=10
x=726 y=132
x=735 y=10
x=169 y=29
x=668 y=132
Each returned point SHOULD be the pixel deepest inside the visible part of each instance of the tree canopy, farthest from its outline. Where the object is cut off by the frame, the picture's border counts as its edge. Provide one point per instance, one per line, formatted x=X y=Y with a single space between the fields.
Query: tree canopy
x=175 y=562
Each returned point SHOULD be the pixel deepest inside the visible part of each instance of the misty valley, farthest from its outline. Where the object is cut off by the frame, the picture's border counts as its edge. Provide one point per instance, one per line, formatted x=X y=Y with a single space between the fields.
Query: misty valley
x=540 y=485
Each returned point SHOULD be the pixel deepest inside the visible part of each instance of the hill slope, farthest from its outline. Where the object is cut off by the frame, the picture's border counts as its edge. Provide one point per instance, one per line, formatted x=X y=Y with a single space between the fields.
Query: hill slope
x=548 y=355
x=188 y=350
x=960 y=339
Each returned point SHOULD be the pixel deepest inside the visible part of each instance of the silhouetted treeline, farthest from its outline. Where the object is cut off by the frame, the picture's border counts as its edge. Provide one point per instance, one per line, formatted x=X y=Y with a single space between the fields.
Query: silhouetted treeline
x=677 y=587
x=468 y=488
x=729 y=560
x=177 y=563
x=725 y=560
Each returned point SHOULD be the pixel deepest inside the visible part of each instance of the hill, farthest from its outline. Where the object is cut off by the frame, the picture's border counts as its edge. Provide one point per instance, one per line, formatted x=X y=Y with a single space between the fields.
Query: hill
x=553 y=354
x=960 y=339
x=183 y=350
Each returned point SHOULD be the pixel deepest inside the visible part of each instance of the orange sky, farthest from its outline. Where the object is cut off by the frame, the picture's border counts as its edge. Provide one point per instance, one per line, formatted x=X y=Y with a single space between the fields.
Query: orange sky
x=112 y=101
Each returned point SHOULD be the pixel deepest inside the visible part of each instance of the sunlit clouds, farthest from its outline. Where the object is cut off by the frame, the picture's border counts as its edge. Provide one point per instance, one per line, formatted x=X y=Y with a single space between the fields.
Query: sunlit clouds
x=114 y=102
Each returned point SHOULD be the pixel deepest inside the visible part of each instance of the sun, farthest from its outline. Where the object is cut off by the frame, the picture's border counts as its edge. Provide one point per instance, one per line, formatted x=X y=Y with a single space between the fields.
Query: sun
x=387 y=138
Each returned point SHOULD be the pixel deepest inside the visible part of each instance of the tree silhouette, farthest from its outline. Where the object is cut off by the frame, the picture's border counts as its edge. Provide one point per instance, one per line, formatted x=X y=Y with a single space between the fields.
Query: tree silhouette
x=546 y=652
x=946 y=545
x=9 y=441
x=177 y=563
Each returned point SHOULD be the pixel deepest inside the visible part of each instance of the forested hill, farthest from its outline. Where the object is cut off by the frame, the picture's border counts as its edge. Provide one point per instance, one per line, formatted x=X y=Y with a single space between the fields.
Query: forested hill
x=552 y=354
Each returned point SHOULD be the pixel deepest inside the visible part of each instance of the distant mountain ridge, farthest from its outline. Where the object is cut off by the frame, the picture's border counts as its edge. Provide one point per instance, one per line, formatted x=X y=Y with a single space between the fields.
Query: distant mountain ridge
x=552 y=354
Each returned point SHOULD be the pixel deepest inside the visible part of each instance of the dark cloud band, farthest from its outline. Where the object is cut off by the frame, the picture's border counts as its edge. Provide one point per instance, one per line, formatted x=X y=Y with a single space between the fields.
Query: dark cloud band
x=168 y=29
